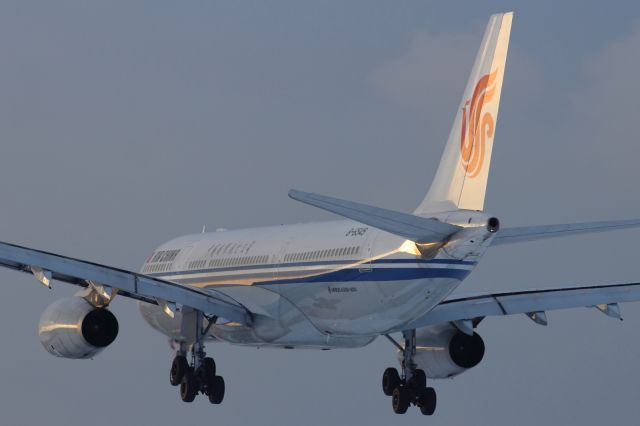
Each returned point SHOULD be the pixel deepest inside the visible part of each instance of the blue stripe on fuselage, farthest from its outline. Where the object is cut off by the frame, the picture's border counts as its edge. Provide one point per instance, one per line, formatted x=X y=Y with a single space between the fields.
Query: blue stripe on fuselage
x=355 y=275
x=374 y=274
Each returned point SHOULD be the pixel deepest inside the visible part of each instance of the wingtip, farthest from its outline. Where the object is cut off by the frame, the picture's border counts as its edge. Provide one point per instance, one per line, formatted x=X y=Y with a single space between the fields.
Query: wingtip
x=293 y=193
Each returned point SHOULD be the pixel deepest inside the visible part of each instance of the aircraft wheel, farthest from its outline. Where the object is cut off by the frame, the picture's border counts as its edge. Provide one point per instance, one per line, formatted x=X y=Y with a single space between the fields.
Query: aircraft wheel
x=427 y=401
x=419 y=379
x=179 y=367
x=206 y=373
x=209 y=366
x=188 y=387
x=216 y=393
x=400 y=400
x=390 y=381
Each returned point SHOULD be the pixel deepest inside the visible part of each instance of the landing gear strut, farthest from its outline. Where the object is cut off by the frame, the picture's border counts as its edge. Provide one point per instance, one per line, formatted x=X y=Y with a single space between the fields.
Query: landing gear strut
x=411 y=387
x=199 y=376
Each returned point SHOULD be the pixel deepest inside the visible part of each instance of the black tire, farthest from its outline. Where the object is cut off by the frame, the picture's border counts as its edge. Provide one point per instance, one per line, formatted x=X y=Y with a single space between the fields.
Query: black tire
x=427 y=401
x=179 y=367
x=188 y=387
x=390 y=381
x=400 y=400
x=206 y=373
x=216 y=393
x=209 y=366
x=419 y=379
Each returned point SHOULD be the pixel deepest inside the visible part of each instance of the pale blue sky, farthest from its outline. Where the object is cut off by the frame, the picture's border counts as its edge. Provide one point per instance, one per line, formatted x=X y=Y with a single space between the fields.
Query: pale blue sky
x=125 y=124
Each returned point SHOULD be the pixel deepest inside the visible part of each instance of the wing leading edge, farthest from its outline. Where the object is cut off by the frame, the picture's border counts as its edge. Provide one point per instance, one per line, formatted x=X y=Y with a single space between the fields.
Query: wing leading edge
x=130 y=284
x=528 y=302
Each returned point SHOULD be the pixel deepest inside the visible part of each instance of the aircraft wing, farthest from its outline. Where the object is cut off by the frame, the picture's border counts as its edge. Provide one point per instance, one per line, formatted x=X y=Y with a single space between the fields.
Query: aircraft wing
x=531 y=302
x=48 y=266
x=411 y=227
x=532 y=233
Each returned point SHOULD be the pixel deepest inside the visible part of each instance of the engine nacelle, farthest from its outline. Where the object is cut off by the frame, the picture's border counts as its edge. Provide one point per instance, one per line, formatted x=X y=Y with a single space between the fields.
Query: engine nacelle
x=443 y=351
x=73 y=328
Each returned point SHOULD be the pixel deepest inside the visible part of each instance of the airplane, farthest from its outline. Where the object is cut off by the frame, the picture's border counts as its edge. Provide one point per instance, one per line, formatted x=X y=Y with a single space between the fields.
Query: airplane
x=337 y=284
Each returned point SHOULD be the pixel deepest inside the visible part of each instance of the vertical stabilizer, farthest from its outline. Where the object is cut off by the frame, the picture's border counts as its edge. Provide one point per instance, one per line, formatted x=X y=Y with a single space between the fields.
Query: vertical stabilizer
x=461 y=179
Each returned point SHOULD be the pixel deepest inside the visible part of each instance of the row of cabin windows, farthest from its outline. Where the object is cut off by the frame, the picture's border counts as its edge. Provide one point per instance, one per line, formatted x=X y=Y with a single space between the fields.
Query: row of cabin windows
x=247 y=260
x=319 y=254
x=160 y=267
x=213 y=263
x=164 y=256
x=234 y=261
x=197 y=264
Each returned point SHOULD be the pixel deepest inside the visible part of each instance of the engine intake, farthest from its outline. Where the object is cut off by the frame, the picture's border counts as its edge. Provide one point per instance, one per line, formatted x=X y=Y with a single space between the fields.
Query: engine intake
x=73 y=328
x=466 y=351
x=443 y=351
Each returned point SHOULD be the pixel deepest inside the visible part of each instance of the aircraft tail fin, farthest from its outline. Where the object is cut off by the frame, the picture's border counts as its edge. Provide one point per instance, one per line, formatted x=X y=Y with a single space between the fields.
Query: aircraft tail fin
x=461 y=179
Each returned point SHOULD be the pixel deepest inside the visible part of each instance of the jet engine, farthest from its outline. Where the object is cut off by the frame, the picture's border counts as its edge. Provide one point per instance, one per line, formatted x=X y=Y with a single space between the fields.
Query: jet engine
x=73 y=328
x=444 y=351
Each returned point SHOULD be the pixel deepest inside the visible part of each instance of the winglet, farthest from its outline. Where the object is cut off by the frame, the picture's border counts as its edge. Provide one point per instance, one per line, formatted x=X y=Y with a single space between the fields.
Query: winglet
x=411 y=227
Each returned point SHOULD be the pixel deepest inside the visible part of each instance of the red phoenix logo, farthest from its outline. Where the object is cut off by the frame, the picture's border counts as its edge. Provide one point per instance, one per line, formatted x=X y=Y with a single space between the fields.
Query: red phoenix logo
x=477 y=125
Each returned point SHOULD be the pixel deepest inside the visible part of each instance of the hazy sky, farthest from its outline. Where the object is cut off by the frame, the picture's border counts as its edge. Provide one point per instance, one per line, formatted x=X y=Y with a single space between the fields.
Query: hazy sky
x=127 y=123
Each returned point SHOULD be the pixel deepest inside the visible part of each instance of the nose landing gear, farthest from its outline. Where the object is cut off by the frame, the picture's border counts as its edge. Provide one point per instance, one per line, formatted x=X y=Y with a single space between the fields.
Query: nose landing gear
x=411 y=387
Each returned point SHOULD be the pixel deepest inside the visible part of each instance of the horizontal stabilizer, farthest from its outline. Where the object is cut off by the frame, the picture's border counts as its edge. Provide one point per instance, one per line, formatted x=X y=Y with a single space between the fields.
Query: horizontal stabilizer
x=532 y=233
x=411 y=227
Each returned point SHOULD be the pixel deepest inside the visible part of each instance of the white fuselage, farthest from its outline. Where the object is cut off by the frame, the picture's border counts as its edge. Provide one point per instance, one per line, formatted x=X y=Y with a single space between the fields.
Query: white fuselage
x=330 y=284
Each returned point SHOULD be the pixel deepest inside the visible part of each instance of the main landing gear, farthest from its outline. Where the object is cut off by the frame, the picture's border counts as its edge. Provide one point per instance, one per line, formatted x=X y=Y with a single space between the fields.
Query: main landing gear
x=411 y=387
x=199 y=376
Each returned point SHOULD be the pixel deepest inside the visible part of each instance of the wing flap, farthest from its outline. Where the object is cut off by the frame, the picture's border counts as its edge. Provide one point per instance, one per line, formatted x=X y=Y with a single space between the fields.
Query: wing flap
x=532 y=233
x=526 y=301
x=130 y=284
x=411 y=227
